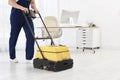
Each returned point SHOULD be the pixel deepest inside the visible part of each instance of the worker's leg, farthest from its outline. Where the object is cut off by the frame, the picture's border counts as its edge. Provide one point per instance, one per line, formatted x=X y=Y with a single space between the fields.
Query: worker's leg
x=30 y=40
x=15 y=29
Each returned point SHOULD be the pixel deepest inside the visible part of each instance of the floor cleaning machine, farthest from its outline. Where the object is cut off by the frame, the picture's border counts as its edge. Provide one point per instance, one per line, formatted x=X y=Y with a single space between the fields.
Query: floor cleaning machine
x=52 y=57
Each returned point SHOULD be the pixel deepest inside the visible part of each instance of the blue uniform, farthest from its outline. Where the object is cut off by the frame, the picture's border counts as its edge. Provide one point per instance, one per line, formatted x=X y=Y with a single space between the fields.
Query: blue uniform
x=17 y=22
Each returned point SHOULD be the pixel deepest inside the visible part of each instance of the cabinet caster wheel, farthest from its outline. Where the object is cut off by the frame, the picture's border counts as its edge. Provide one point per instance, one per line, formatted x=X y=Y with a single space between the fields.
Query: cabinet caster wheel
x=77 y=47
x=83 y=50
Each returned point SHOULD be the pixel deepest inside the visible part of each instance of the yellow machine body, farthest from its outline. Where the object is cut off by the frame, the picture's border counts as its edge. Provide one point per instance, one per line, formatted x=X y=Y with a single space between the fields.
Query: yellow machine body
x=54 y=53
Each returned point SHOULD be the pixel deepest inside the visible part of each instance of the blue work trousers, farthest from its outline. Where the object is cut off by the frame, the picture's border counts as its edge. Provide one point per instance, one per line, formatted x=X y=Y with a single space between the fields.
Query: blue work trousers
x=18 y=22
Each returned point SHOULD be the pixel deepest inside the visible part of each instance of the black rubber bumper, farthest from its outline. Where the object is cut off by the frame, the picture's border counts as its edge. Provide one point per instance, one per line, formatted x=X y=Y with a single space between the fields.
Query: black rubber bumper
x=52 y=66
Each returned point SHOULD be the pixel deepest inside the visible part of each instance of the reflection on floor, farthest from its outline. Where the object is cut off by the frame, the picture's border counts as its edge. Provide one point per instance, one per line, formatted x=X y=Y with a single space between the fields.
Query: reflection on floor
x=103 y=65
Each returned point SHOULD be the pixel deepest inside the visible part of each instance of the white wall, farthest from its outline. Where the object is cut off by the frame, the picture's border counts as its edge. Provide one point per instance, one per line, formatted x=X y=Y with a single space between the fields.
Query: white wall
x=4 y=25
x=104 y=13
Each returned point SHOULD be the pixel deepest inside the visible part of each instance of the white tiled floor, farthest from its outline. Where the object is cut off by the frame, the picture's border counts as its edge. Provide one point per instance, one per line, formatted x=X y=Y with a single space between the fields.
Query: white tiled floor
x=104 y=65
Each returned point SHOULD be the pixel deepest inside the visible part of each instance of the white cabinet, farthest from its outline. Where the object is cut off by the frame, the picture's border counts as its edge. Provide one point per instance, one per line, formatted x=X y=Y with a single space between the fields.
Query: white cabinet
x=88 y=38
